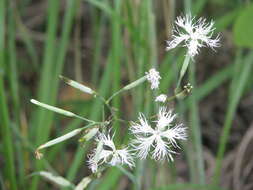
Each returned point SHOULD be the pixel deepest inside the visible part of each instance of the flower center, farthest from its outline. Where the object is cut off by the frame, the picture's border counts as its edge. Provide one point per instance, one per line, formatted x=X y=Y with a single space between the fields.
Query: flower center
x=157 y=133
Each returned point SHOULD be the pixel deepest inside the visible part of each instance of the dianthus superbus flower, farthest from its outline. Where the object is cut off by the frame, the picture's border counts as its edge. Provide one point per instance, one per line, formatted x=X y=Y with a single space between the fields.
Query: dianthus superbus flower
x=160 y=140
x=153 y=77
x=109 y=154
x=165 y=118
x=193 y=34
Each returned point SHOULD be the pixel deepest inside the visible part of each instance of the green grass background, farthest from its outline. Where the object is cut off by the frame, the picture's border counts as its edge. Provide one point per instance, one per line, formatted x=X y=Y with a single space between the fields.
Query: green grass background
x=126 y=38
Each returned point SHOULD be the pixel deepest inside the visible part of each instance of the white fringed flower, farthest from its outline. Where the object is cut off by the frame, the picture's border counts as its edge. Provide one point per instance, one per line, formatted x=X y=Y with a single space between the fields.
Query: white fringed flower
x=165 y=118
x=109 y=154
x=153 y=77
x=161 y=98
x=159 y=140
x=194 y=34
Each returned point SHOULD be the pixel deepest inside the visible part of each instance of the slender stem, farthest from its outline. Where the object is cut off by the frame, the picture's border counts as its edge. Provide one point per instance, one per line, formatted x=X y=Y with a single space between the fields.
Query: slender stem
x=187 y=6
x=115 y=94
x=194 y=117
x=183 y=71
x=105 y=102
x=181 y=94
x=85 y=119
x=196 y=131
x=127 y=87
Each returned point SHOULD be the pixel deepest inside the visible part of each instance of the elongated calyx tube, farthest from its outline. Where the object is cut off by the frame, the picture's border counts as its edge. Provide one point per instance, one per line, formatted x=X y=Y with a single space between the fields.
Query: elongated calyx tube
x=52 y=108
x=77 y=85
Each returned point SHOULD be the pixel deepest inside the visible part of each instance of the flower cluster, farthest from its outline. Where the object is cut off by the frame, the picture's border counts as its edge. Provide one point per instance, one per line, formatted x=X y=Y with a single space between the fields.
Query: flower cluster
x=157 y=138
x=160 y=141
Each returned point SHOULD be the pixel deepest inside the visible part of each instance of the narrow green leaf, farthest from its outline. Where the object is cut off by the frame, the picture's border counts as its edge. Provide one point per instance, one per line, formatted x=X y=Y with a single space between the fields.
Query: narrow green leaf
x=6 y=135
x=102 y=5
x=189 y=186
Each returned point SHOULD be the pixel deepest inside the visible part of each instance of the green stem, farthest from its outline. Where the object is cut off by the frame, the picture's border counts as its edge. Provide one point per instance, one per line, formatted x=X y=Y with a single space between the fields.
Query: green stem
x=127 y=87
x=115 y=94
x=187 y=6
x=85 y=119
x=194 y=117
x=116 y=50
x=196 y=131
x=106 y=103
x=183 y=71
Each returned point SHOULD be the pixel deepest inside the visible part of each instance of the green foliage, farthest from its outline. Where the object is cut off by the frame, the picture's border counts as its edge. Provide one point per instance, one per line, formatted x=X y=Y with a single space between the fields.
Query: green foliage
x=128 y=38
x=189 y=186
x=5 y=122
x=243 y=29
x=238 y=84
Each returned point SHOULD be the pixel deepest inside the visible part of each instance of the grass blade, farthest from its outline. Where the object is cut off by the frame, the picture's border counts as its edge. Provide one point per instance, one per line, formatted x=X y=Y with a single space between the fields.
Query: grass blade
x=4 y=114
x=14 y=88
x=237 y=94
x=42 y=118
x=188 y=186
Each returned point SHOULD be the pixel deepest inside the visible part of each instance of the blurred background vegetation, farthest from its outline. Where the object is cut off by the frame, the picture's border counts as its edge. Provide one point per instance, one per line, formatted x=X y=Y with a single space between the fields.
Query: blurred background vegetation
x=106 y=44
